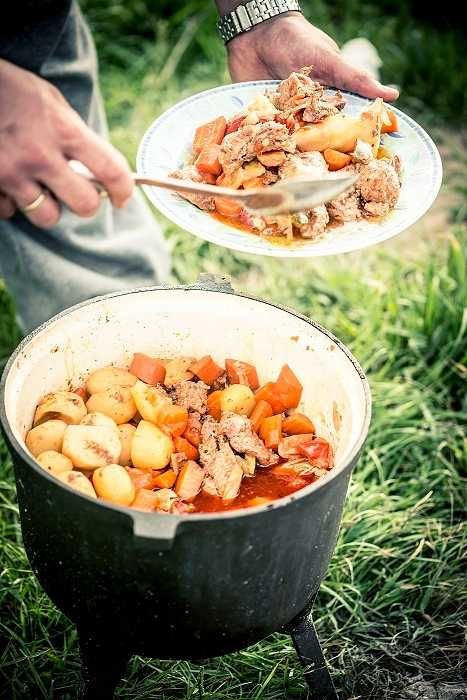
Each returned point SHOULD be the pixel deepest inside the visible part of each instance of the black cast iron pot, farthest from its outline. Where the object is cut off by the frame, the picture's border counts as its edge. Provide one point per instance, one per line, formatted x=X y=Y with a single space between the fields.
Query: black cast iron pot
x=193 y=586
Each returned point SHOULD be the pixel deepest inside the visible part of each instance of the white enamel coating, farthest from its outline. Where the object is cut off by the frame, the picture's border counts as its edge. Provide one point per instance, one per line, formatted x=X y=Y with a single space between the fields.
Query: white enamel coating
x=166 y=146
x=171 y=322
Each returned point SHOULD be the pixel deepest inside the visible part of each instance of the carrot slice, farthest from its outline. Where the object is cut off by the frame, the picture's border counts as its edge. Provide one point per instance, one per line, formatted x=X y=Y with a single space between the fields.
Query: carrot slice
x=288 y=388
x=148 y=369
x=227 y=207
x=234 y=124
x=166 y=479
x=209 y=134
x=298 y=424
x=145 y=500
x=270 y=431
x=335 y=159
x=182 y=445
x=214 y=404
x=271 y=159
x=208 y=160
x=393 y=126
x=207 y=370
x=269 y=393
x=242 y=373
x=173 y=418
x=261 y=411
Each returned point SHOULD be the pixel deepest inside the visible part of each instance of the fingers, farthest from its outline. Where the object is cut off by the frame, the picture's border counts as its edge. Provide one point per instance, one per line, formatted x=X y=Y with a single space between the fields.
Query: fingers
x=47 y=214
x=341 y=74
x=106 y=163
x=7 y=206
x=72 y=189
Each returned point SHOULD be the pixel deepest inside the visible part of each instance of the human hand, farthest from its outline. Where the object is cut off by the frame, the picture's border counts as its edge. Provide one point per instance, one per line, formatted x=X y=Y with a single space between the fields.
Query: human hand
x=276 y=48
x=39 y=134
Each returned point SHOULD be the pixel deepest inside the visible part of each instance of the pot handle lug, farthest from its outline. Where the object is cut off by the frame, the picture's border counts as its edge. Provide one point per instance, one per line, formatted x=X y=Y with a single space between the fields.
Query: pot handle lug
x=210 y=282
x=159 y=529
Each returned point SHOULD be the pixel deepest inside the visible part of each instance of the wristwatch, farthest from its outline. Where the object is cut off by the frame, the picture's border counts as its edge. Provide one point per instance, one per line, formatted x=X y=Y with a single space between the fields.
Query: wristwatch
x=252 y=13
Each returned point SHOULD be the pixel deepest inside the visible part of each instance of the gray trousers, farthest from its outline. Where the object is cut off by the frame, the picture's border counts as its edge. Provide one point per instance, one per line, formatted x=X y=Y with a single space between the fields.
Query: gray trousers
x=46 y=271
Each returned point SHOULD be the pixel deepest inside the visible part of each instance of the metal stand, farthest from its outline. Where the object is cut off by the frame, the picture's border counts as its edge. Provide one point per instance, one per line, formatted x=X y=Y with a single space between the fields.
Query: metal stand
x=306 y=642
x=103 y=664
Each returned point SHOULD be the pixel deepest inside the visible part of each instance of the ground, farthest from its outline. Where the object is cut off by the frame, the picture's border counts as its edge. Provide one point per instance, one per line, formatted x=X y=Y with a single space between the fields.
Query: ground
x=391 y=609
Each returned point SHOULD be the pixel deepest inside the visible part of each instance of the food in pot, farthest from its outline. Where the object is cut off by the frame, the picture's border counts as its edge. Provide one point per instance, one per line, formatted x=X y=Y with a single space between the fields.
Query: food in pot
x=180 y=435
x=297 y=130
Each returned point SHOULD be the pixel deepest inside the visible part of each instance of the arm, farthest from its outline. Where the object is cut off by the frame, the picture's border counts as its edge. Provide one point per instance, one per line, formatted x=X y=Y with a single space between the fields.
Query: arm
x=39 y=134
x=276 y=47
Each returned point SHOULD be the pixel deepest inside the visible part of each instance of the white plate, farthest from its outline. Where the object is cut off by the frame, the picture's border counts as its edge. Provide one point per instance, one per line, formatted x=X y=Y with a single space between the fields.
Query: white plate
x=166 y=146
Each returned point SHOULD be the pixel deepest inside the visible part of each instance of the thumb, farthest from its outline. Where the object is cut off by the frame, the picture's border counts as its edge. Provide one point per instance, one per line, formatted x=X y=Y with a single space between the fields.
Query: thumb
x=344 y=75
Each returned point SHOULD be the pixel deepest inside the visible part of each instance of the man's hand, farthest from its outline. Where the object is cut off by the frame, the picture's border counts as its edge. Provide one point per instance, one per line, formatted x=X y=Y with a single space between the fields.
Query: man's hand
x=39 y=134
x=289 y=42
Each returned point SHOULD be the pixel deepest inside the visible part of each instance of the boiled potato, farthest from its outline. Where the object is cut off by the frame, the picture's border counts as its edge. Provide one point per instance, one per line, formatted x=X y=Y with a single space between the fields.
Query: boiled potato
x=237 y=398
x=60 y=405
x=116 y=402
x=96 y=418
x=148 y=400
x=54 y=462
x=151 y=448
x=126 y=432
x=46 y=436
x=77 y=481
x=91 y=446
x=108 y=377
x=113 y=483
x=178 y=370
x=341 y=131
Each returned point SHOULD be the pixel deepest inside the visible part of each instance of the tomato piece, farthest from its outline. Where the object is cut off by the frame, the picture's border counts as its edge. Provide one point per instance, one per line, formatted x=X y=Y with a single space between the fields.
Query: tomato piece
x=207 y=370
x=298 y=424
x=182 y=445
x=319 y=453
x=288 y=388
x=173 y=418
x=242 y=373
x=261 y=411
x=148 y=369
x=270 y=431
x=290 y=447
x=81 y=391
x=234 y=124
x=214 y=404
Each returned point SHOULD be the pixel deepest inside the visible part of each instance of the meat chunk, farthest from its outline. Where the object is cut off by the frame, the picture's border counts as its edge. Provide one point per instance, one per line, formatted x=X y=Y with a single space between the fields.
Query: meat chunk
x=176 y=461
x=379 y=187
x=316 y=221
x=311 y=164
x=246 y=143
x=226 y=473
x=345 y=207
x=192 y=395
x=166 y=499
x=299 y=92
x=202 y=201
x=239 y=432
x=279 y=225
x=210 y=439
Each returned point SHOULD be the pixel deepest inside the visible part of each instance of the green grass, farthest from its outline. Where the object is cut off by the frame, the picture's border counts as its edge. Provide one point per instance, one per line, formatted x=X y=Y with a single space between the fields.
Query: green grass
x=393 y=601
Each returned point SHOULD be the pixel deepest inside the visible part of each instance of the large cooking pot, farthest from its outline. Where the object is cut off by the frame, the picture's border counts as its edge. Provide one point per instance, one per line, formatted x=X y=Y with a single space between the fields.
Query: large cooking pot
x=180 y=586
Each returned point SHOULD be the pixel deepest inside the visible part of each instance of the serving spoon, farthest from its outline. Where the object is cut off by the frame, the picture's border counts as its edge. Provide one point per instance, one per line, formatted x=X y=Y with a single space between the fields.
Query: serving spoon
x=284 y=197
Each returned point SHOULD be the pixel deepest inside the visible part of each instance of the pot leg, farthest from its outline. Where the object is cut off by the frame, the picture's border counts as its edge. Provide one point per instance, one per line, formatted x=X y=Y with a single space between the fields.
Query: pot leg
x=103 y=663
x=311 y=656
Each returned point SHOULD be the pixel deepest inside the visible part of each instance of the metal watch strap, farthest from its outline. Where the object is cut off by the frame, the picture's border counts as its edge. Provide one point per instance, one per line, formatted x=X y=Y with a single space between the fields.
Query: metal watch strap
x=252 y=13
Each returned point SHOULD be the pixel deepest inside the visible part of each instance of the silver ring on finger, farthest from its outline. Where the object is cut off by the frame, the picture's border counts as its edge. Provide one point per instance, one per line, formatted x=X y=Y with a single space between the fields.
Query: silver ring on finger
x=35 y=204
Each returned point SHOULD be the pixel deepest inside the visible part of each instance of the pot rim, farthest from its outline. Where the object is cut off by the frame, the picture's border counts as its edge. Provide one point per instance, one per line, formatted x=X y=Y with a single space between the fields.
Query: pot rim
x=189 y=517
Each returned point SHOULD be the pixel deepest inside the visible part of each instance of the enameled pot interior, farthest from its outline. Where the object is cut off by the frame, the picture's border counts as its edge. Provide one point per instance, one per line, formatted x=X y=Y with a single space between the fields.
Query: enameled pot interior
x=171 y=322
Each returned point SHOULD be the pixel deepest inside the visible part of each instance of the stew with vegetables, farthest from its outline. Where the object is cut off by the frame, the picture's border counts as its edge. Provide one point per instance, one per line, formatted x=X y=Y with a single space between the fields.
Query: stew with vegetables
x=181 y=435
